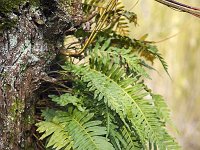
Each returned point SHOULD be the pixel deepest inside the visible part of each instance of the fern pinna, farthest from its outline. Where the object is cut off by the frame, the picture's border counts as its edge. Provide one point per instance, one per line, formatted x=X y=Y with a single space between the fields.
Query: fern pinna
x=107 y=106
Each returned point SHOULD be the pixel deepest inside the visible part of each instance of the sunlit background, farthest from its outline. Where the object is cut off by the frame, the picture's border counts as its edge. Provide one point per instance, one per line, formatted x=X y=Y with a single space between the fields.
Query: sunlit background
x=182 y=53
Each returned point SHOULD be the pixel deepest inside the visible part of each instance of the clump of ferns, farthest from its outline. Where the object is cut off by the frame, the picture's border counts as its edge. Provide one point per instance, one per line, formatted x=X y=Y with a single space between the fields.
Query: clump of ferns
x=107 y=105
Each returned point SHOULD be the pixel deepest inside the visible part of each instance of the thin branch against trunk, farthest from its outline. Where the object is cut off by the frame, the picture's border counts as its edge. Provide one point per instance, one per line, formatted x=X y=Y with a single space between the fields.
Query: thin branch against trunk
x=181 y=7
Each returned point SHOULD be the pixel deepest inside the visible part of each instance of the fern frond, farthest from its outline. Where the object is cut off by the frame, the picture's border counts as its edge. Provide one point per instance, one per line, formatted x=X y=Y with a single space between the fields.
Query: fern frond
x=122 y=26
x=124 y=57
x=87 y=134
x=162 y=108
x=126 y=98
x=67 y=98
x=121 y=23
x=76 y=126
x=141 y=48
x=59 y=137
x=119 y=137
x=131 y=142
x=154 y=50
x=150 y=52
x=116 y=138
x=124 y=139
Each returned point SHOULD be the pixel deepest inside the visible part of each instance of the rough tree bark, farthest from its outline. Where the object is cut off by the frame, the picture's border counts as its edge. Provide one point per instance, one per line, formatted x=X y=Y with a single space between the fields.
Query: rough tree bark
x=26 y=50
x=23 y=58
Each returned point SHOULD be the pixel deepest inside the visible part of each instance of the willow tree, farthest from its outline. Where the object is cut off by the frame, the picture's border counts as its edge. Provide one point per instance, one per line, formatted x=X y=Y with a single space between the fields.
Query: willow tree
x=33 y=35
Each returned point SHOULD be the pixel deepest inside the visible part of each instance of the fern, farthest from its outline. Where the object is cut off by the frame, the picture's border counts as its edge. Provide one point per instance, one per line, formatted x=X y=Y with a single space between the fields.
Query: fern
x=131 y=142
x=124 y=57
x=154 y=51
x=66 y=99
x=141 y=49
x=127 y=100
x=107 y=105
x=162 y=109
x=59 y=136
x=74 y=129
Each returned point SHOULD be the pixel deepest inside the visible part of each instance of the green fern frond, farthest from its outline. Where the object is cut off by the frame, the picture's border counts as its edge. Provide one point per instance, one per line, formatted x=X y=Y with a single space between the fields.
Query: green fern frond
x=141 y=48
x=117 y=134
x=124 y=139
x=126 y=98
x=162 y=108
x=59 y=137
x=163 y=111
x=124 y=57
x=67 y=98
x=87 y=134
x=116 y=137
x=103 y=87
x=74 y=129
x=154 y=51
x=131 y=142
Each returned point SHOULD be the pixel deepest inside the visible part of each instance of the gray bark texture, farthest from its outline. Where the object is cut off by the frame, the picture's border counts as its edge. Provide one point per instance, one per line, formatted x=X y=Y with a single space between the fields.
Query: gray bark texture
x=26 y=50
x=23 y=59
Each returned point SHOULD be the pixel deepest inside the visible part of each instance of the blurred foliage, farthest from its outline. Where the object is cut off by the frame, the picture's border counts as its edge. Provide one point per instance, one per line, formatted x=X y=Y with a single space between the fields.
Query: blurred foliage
x=182 y=53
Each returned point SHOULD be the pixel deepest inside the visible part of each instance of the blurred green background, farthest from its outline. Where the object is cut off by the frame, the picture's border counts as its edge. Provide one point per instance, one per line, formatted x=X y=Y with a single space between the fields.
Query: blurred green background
x=182 y=53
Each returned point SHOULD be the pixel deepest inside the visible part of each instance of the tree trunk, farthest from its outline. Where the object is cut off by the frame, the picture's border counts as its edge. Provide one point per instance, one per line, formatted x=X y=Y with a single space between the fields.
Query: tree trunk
x=26 y=50
x=23 y=58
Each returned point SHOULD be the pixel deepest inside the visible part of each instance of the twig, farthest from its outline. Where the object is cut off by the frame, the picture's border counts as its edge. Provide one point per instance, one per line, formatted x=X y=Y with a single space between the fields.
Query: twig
x=181 y=7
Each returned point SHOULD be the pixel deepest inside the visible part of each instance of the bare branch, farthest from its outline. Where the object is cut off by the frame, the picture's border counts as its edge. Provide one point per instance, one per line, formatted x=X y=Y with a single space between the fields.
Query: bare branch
x=181 y=7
